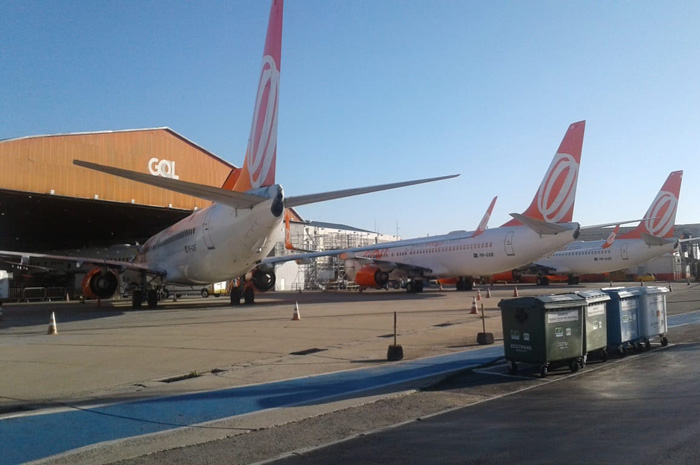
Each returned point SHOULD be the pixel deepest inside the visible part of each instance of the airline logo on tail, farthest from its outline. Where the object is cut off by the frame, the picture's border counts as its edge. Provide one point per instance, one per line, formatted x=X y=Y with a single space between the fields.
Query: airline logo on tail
x=660 y=218
x=259 y=166
x=662 y=214
x=555 y=198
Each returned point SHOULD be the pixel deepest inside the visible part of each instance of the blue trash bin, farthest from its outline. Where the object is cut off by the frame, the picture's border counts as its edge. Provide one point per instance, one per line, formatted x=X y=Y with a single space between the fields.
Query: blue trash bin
x=622 y=318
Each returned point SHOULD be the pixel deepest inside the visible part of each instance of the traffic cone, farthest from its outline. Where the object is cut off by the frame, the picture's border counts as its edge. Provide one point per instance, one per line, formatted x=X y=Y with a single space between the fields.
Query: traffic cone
x=478 y=295
x=473 y=312
x=296 y=315
x=488 y=292
x=53 y=330
x=515 y=291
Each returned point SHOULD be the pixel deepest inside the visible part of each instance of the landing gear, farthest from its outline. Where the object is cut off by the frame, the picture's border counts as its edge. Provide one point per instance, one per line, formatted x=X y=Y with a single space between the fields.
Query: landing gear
x=236 y=295
x=542 y=281
x=465 y=284
x=152 y=298
x=573 y=280
x=136 y=299
x=242 y=289
x=414 y=286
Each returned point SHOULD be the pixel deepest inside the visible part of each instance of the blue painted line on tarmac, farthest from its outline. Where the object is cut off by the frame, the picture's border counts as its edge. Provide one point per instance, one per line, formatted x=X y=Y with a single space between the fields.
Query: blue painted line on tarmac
x=691 y=318
x=34 y=437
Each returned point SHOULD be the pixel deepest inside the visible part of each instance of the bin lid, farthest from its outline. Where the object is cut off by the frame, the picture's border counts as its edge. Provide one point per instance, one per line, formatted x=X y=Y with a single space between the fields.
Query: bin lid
x=553 y=301
x=593 y=295
x=622 y=292
x=646 y=290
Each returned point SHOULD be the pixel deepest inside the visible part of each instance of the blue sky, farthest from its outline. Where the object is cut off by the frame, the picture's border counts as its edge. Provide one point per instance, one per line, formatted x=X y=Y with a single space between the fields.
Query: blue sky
x=384 y=91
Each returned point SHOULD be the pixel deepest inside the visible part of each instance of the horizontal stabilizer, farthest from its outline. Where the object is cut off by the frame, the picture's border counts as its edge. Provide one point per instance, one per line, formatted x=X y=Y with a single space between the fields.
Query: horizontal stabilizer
x=543 y=227
x=655 y=240
x=223 y=196
x=607 y=225
x=322 y=197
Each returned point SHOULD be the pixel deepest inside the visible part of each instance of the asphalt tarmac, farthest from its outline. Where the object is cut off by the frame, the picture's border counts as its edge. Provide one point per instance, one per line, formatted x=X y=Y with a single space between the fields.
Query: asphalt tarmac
x=111 y=354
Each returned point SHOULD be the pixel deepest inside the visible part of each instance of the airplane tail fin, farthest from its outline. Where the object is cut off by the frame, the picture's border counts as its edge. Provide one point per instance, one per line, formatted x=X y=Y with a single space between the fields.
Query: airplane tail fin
x=258 y=168
x=554 y=201
x=661 y=216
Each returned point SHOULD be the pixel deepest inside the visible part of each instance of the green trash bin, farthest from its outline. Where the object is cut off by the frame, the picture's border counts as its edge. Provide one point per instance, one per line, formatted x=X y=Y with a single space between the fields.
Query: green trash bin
x=595 y=337
x=543 y=330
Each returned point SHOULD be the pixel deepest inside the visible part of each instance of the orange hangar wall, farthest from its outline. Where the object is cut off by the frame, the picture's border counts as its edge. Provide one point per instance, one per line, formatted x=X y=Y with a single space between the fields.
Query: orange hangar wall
x=44 y=165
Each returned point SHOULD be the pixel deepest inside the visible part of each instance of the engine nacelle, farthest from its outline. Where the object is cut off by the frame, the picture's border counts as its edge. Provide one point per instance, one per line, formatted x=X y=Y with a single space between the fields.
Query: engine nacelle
x=100 y=283
x=371 y=276
x=263 y=280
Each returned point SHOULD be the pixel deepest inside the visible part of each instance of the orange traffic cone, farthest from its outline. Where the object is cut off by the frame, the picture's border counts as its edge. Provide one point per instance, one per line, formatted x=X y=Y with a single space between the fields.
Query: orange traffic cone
x=478 y=295
x=473 y=312
x=296 y=315
x=488 y=292
x=515 y=292
x=53 y=330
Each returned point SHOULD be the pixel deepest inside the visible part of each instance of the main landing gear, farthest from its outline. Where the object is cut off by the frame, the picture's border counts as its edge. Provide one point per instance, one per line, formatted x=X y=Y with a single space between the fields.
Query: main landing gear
x=465 y=283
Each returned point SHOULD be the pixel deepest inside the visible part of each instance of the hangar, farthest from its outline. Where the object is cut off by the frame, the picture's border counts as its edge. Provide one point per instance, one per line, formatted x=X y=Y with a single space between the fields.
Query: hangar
x=47 y=203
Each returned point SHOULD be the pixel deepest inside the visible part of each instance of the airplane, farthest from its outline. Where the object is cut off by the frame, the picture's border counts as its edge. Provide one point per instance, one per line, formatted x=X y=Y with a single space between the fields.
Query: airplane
x=229 y=238
x=651 y=238
x=545 y=226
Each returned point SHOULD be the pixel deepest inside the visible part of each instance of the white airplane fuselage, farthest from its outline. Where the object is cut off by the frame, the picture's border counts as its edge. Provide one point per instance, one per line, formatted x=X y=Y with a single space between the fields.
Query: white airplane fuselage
x=590 y=257
x=494 y=251
x=217 y=243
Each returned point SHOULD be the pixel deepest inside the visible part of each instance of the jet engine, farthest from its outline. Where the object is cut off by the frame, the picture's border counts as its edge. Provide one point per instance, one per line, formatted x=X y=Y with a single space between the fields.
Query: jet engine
x=371 y=276
x=100 y=283
x=263 y=280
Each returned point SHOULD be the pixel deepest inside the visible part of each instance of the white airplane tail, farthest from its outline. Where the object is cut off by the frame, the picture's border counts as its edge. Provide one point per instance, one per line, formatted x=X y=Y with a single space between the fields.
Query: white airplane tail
x=661 y=215
x=555 y=198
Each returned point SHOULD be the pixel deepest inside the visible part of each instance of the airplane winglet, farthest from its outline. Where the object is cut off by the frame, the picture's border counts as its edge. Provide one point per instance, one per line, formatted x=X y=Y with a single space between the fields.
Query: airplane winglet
x=543 y=227
x=485 y=220
x=611 y=238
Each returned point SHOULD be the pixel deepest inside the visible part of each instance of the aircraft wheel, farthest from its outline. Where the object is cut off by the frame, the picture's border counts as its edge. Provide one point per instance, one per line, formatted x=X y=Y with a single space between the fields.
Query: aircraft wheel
x=136 y=300
x=152 y=298
x=249 y=296
x=236 y=295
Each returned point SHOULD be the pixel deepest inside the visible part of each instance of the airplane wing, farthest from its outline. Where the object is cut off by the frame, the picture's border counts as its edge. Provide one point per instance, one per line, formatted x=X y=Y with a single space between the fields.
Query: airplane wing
x=298 y=200
x=214 y=194
x=122 y=266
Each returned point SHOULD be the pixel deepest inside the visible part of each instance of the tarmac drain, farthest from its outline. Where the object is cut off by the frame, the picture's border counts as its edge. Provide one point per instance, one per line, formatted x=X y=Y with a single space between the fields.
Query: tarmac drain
x=386 y=336
x=307 y=351
x=175 y=379
x=443 y=325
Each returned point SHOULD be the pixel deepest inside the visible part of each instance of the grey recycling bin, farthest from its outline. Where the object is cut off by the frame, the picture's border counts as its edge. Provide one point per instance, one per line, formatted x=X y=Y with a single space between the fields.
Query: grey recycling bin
x=652 y=314
x=595 y=337
x=622 y=317
x=543 y=330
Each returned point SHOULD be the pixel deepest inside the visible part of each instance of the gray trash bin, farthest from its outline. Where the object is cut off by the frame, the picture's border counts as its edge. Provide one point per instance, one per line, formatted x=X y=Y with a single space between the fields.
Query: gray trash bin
x=595 y=337
x=652 y=314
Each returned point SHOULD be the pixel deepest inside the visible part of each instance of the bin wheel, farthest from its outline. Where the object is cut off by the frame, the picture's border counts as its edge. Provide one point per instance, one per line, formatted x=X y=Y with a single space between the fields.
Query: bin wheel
x=604 y=354
x=622 y=350
x=573 y=365
x=664 y=341
x=512 y=367
x=543 y=371
x=647 y=344
x=637 y=346
x=583 y=360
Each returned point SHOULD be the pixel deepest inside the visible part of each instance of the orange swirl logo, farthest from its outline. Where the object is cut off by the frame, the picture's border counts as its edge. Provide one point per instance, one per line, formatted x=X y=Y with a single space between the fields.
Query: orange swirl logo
x=262 y=143
x=557 y=193
x=661 y=215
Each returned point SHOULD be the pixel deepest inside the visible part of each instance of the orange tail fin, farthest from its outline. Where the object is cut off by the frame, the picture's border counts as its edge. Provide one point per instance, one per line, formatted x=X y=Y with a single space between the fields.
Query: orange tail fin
x=611 y=238
x=661 y=215
x=554 y=201
x=258 y=168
